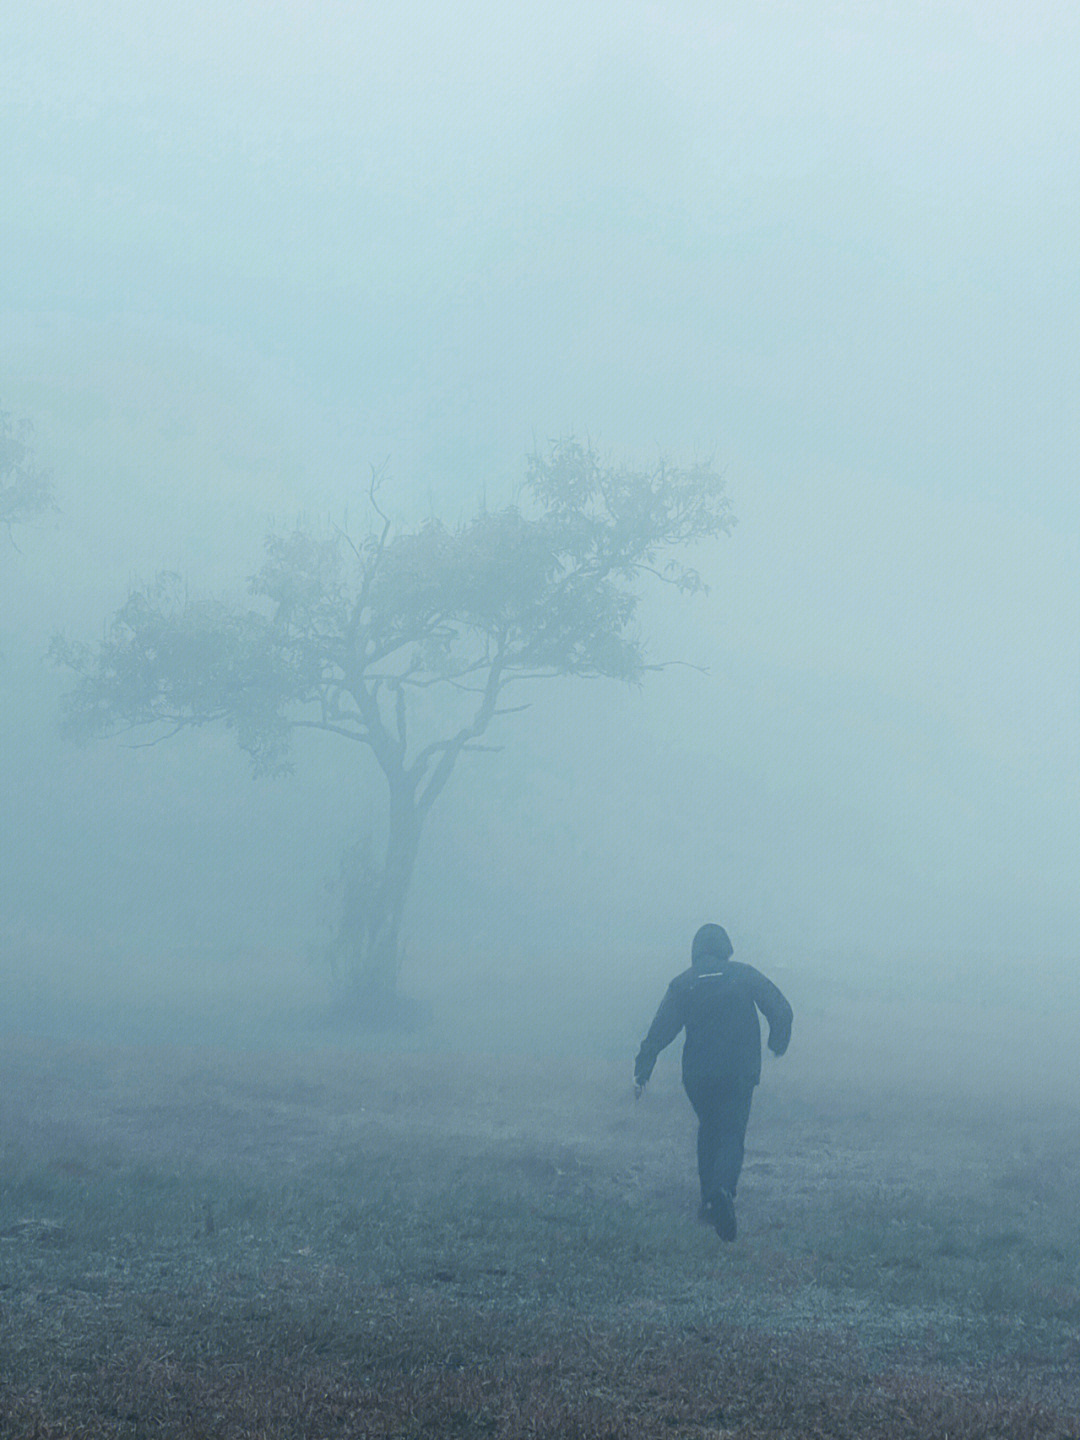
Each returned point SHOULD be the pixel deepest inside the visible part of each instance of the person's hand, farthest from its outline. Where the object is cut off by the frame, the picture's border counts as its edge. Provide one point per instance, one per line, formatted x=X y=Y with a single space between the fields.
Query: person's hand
x=639 y=1090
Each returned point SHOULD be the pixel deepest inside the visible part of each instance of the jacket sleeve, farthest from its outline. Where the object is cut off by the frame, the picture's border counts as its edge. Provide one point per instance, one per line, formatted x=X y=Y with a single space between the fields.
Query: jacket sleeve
x=664 y=1028
x=775 y=1008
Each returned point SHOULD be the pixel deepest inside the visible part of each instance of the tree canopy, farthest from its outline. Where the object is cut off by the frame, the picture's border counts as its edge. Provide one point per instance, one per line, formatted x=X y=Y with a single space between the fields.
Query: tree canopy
x=26 y=491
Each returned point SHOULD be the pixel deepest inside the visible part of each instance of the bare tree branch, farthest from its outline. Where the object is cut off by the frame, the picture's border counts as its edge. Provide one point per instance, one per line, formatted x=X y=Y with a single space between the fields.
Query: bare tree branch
x=330 y=728
x=149 y=744
x=399 y=715
x=373 y=565
x=659 y=665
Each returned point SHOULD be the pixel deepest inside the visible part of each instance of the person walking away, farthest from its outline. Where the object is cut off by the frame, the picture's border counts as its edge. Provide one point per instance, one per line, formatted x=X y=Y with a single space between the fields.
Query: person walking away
x=717 y=1002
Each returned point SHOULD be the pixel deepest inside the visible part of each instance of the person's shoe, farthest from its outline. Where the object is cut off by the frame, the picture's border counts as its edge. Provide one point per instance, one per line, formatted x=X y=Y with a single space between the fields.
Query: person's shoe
x=722 y=1215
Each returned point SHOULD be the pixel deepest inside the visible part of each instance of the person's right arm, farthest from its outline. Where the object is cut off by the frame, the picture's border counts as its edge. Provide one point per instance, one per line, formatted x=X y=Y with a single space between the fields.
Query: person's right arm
x=664 y=1028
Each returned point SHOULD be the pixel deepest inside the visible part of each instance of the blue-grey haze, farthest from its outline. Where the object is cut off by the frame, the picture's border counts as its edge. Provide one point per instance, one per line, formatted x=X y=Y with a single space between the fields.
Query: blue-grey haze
x=248 y=250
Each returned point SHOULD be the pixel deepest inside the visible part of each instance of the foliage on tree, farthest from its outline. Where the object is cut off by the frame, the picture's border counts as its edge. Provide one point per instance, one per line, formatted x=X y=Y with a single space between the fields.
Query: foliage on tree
x=359 y=640
x=26 y=491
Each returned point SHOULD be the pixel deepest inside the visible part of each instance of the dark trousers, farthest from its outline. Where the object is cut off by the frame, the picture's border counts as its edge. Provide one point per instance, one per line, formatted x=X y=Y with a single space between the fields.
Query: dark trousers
x=723 y=1109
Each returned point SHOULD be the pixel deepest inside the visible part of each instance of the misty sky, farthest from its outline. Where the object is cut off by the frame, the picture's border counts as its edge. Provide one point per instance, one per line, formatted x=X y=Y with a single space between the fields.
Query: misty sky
x=247 y=250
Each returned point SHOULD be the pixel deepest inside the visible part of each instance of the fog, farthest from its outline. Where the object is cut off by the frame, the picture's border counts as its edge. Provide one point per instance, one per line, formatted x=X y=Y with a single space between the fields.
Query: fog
x=250 y=251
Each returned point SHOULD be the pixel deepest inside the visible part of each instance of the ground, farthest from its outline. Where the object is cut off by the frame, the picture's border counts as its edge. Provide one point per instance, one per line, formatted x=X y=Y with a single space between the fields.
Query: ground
x=322 y=1243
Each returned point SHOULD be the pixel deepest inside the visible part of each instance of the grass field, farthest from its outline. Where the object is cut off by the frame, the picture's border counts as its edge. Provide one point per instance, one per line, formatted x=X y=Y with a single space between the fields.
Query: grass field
x=199 y=1242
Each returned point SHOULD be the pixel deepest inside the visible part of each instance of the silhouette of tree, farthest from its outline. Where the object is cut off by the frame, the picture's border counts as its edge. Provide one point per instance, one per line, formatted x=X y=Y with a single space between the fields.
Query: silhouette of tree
x=26 y=491
x=404 y=646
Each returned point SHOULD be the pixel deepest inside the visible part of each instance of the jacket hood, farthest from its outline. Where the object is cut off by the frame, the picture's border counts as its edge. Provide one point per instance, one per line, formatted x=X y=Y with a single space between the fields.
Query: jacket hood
x=711 y=943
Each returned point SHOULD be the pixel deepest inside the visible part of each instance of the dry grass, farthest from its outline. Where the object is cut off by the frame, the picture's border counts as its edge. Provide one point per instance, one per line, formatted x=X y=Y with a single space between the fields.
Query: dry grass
x=198 y=1243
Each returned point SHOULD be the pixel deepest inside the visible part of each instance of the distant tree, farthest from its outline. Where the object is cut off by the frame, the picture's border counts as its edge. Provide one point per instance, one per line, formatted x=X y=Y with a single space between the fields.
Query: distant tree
x=26 y=491
x=360 y=640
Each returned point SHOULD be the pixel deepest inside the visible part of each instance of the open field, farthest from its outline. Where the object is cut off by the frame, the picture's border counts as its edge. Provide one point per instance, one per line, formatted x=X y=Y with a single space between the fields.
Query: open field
x=200 y=1242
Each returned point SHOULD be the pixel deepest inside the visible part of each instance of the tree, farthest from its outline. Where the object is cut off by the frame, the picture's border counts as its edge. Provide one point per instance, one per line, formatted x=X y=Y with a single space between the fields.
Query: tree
x=359 y=640
x=25 y=491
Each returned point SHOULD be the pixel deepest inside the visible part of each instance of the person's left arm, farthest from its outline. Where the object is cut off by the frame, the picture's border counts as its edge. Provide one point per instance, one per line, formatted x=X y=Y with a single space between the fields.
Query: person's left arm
x=774 y=1006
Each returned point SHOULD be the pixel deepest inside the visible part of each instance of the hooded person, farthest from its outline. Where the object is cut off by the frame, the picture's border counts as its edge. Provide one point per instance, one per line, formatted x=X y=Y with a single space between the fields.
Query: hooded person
x=717 y=1002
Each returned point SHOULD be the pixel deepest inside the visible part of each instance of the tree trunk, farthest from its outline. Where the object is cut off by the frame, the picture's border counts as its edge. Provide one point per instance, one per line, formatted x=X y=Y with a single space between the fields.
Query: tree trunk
x=368 y=947
x=367 y=954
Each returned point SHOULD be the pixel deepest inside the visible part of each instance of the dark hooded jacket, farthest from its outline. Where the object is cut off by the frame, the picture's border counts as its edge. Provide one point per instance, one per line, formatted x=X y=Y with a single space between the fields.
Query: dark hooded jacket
x=717 y=1001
